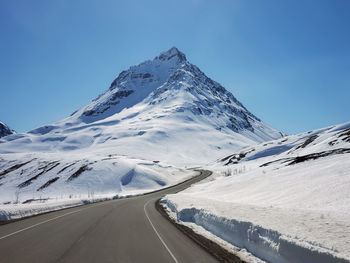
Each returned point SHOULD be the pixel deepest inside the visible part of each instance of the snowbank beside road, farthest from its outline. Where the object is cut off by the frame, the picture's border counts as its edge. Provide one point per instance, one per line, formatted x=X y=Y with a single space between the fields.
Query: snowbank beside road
x=267 y=244
x=16 y=211
x=285 y=201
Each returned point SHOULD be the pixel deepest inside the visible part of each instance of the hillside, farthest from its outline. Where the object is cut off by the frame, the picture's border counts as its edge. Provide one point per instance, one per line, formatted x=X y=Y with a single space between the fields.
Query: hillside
x=284 y=201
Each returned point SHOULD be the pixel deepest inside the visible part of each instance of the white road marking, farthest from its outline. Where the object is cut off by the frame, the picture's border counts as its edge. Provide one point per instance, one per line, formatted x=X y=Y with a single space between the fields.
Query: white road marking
x=155 y=230
x=43 y=222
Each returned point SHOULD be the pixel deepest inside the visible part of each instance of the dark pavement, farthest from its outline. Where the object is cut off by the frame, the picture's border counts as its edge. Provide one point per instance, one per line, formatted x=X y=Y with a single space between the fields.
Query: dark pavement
x=124 y=230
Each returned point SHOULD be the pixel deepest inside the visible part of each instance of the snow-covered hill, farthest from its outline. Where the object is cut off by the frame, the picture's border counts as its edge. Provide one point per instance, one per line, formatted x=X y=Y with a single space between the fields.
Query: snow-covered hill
x=5 y=130
x=286 y=200
x=161 y=114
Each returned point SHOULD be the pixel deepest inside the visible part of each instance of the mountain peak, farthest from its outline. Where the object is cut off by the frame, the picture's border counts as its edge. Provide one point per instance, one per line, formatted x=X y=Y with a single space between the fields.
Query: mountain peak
x=5 y=130
x=170 y=86
x=172 y=53
x=165 y=64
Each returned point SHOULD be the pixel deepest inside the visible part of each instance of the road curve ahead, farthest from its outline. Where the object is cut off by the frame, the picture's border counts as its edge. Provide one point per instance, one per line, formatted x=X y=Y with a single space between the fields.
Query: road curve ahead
x=124 y=230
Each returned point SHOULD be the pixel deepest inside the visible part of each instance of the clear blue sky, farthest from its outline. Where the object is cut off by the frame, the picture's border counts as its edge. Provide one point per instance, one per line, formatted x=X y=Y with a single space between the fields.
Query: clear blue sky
x=288 y=62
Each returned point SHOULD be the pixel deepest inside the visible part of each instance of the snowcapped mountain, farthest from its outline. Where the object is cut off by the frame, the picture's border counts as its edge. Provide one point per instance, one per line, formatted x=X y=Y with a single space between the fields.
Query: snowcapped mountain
x=161 y=114
x=5 y=130
x=168 y=85
x=170 y=81
x=164 y=109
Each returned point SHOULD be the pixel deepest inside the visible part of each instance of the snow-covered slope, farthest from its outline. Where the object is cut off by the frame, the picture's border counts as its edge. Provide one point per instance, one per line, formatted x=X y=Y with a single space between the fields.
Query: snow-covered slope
x=163 y=113
x=5 y=130
x=287 y=200
x=54 y=177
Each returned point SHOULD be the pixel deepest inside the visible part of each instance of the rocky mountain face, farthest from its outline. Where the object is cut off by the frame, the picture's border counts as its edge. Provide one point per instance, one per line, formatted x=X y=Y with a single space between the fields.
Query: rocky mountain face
x=5 y=130
x=168 y=77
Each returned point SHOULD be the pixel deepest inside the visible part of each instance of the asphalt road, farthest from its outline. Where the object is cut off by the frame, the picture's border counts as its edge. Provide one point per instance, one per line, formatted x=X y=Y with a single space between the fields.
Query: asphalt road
x=124 y=230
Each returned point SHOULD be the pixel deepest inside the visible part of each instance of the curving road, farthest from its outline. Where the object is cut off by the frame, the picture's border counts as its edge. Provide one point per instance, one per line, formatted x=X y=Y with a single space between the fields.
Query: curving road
x=124 y=230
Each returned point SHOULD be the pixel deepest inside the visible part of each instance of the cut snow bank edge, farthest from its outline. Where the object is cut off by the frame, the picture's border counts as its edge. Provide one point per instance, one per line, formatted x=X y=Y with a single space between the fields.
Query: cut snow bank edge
x=24 y=210
x=266 y=244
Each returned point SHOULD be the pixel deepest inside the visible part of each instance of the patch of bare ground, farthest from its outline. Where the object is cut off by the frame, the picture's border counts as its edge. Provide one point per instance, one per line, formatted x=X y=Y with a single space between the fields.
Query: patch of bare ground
x=307 y=142
x=308 y=157
x=109 y=158
x=28 y=201
x=66 y=167
x=45 y=169
x=51 y=181
x=235 y=158
x=345 y=135
x=53 y=166
x=13 y=168
x=79 y=172
x=30 y=180
x=314 y=156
